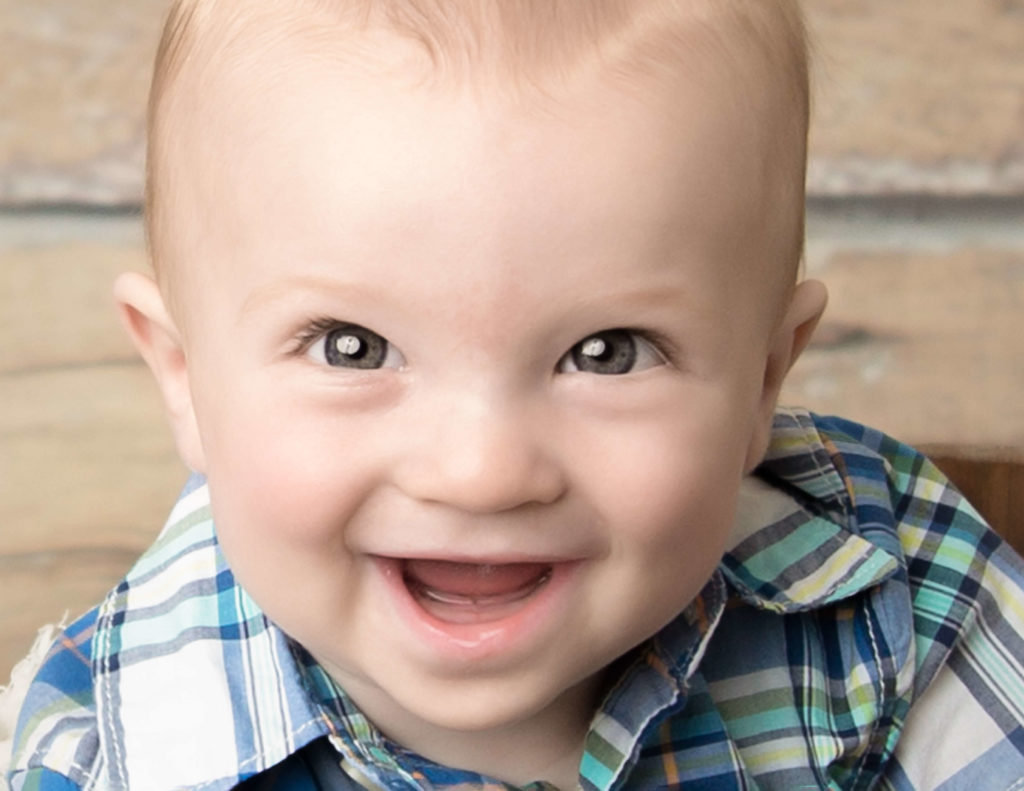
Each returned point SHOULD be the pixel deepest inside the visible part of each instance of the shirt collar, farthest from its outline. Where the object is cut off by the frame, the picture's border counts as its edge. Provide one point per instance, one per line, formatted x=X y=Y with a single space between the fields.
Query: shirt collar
x=796 y=543
x=180 y=642
x=194 y=686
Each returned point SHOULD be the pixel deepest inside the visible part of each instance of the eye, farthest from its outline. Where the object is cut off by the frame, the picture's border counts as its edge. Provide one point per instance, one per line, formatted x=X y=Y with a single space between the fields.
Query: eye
x=611 y=353
x=354 y=346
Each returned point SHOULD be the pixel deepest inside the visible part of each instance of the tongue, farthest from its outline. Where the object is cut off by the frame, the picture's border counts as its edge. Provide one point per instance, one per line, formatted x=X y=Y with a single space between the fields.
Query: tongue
x=474 y=580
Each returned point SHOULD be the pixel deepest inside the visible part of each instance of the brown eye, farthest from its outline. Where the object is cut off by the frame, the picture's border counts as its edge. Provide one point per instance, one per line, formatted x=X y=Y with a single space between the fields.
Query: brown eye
x=611 y=353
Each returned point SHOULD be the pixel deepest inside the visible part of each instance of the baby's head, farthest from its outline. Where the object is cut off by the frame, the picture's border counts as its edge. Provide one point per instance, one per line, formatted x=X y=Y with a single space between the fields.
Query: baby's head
x=474 y=315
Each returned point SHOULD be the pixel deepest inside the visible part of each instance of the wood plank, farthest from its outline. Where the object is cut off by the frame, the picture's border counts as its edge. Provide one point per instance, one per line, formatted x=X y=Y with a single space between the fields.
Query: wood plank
x=993 y=482
x=87 y=459
x=925 y=345
x=73 y=81
x=87 y=467
x=56 y=302
x=919 y=96
x=78 y=410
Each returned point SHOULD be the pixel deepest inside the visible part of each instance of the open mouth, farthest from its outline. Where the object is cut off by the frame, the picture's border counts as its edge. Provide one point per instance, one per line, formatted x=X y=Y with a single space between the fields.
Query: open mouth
x=464 y=593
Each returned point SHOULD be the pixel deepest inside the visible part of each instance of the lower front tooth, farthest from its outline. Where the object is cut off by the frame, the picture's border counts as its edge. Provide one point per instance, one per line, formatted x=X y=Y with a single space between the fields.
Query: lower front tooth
x=442 y=597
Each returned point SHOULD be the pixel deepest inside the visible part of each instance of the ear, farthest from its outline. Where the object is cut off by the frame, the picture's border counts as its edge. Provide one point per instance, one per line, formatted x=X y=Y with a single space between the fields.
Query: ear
x=154 y=333
x=790 y=339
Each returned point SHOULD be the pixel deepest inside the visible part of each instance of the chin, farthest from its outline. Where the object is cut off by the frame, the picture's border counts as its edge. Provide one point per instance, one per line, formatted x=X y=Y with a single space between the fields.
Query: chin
x=466 y=712
x=494 y=704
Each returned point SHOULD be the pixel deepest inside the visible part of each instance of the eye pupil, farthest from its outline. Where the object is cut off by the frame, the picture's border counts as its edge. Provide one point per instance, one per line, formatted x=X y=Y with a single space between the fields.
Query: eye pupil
x=349 y=345
x=594 y=348
x=610 y=352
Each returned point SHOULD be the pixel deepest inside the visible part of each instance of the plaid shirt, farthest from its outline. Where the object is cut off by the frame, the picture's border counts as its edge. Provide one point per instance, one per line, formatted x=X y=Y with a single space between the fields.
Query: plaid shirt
x=866 y=630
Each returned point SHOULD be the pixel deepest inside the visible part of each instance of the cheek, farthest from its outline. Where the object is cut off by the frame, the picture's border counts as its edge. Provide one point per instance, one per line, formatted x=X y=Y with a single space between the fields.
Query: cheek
x=681 y=506
x=278 y=471
x=282 y=501
x=667 y=515
x=671 y=478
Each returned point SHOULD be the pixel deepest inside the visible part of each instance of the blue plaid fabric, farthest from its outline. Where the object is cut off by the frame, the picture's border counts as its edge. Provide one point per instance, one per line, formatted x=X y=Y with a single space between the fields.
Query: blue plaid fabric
x=865 y=631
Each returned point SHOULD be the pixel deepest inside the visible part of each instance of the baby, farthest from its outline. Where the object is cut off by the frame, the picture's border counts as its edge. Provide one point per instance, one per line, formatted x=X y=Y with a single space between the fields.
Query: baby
x=471 y=317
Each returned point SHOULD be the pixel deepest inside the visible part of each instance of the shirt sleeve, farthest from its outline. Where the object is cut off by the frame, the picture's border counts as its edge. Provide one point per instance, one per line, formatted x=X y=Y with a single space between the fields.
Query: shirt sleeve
x=56 y=743
x=42 y=780
x=964 y=730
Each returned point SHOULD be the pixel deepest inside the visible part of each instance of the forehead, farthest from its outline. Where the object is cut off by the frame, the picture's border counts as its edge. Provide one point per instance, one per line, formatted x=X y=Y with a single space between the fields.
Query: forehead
x=331 y=130
x=288 y=130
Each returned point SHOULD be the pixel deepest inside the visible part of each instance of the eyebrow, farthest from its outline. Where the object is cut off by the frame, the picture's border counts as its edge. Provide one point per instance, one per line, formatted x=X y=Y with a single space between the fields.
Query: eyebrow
x=281 y=290
x=330 y=288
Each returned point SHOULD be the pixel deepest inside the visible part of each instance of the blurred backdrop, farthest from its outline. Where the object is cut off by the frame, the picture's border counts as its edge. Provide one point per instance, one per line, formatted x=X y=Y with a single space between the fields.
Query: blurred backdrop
x=916 y=222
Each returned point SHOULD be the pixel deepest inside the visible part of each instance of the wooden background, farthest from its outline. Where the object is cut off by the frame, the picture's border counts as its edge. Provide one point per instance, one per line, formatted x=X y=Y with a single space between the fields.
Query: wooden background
x=917 y=184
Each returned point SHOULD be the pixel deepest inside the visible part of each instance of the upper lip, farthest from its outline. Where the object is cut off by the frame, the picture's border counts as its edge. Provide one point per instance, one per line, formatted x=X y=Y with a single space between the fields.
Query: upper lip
x=479 y=560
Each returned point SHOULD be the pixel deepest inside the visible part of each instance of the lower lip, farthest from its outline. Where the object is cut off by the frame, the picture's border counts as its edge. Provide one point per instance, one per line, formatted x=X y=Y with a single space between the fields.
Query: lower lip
x=513 y=626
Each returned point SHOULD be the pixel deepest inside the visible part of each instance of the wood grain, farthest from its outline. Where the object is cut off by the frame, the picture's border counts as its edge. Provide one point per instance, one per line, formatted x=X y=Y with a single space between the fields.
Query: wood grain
x=925 y=345
x=918 y=96
x=73 y=81
x=87 y=468
x=993 y=481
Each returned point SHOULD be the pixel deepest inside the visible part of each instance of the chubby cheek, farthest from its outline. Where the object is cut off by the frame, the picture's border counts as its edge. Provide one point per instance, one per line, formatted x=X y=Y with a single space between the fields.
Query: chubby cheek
x=676 y=520
x=664 y=572
x=283 y=491
x=667 y=493
x=673 y=477
x=283 y=462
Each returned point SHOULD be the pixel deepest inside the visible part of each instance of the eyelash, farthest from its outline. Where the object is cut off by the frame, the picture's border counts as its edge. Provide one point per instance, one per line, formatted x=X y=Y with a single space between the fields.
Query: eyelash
x=313 y=331
x=661 y=344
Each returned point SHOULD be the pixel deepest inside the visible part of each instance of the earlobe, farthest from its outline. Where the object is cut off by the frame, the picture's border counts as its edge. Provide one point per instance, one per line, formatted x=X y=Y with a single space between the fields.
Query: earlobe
x=145 y=317
x=789 y=341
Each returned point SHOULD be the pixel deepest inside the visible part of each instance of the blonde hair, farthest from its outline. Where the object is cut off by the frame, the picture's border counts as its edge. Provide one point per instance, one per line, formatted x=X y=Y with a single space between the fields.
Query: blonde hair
x=527 y=44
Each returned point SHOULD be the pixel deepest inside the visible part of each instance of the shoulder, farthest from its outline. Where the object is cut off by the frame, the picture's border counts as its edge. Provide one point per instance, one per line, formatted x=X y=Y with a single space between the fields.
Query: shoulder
x=55 y=744
x=904 y=620
x=890 y=487
x=946 y=544
x=965 y=725
x=957 y=568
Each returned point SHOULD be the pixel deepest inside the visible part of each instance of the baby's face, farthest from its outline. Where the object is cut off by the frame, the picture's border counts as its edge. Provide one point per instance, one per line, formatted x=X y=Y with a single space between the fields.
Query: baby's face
x=475 y=385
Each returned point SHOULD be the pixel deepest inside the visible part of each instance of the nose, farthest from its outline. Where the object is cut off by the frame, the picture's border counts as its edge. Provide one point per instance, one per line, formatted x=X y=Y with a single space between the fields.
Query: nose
x=481 y=455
